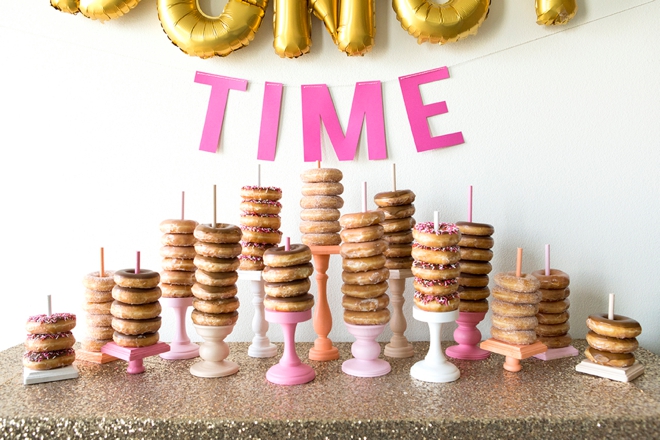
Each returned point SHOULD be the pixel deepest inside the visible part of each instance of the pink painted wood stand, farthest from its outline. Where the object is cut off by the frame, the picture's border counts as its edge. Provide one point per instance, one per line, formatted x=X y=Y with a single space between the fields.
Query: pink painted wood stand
x=468 y=336
x=180 y=347
x=323 y=350
x=365 y=350
x=214 y=351
x=261 y=346
x=289 y=371
x=557 y=353
x=514 y=353
x=134 y=356
x=399 y=347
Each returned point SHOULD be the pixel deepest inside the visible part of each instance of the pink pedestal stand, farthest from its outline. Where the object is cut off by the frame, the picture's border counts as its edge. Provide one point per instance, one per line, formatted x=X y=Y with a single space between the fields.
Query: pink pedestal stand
x=435 y=367
x=365 y=351
x=134 y=356
x=399 y=347
x=468 y=336
x=180 y=347
x=323 y=350
x=261 y=346
x=289 y=371
x=214 y=351
x=557 y=353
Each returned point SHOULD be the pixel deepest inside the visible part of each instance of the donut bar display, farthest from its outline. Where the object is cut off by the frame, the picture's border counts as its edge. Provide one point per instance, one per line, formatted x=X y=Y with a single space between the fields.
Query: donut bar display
x=286 y=275
x=259 y=223
x=321 y=201
x=475 y=250
x=514 y=307
x=178 y=252
x=612 y=341
x=49 y=343
x=98 y=319
x=399 y=209
x=553 y=314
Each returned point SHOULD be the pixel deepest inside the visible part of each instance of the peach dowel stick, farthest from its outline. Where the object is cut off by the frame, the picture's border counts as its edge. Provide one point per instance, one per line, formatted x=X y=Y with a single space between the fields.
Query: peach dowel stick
x=102 y=272
x=137 y=263
x=318 y=164
x=519 y=263
x=470 y=204
x=394 y=177
x=364 y=196
x=610 y=309
x=50 y=308
x=183 y=204
x=214 y=207
x=547 y=260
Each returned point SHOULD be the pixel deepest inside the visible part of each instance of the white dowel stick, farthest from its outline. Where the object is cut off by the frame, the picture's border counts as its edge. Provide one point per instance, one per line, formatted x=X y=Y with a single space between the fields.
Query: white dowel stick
x=258 y=174
x=50 y=307
x=364 y=196
x=436 y=222
x=394 y=177
x=610 y=309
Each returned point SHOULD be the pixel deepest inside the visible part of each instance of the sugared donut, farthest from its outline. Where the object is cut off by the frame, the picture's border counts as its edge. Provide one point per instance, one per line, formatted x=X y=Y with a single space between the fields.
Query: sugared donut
x=399 y=263
x=145 y=279
x=209 y=293
x=320 y=215
x=326 y=239
x=435 y=287
x=394 y=198
x=619 y=360
x=554 y=306
x=289 y=273
x=53 y=323
x=105 y=283
x=476 y=241
x=280 y=257
x=554 y=294
x=556 y=280
x=93 y=345
x=523 y=283
x=261 y=193
x=182 y=252
x=135 y=341
x=476 y=267
x=216 y=306
x=431 y=255
x=211 y=264
x=100 y=333
x=313 y=175
x=375 y=276
x=510 y=296
x=553 y=329
x=364 y=290
x=469 y=280
x=513 y=310
x=360 y=235
x=446 y=235
x=49 y=341
x=378 y=317
x=129 y=295
x=216 y=278
x=474 y=254
x=290 y=304
x=473 y=293
x=479 y=229
x=214 y=319
x=48 y=360
x=261 y=235
x=515 y=337
x=179 y=277
x=401 y=211
x=177 y=264
x=553 y=318
x=287 y=289
x=321 y=202
x=432 y=303
x=399 y=237
x=323 y=227
x=398 y=224
x=363 y=264
x=365 y=304
x=177 y=226
x=322 y=189
x=104 y=320
x=560 y=341
x=613 y=345
x=96 y=296
x=362 y=250
x=97 y=308
x=619 y=327
x=221 y=233
x=272 y=221
x=178 y=239
x=136 y=326
x=514 y=323
x=398 y=250
x=480 y=306
x=135 y=311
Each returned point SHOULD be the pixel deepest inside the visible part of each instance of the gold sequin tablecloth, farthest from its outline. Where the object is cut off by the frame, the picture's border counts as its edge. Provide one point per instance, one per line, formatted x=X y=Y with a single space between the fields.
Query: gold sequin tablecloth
x=545 y=400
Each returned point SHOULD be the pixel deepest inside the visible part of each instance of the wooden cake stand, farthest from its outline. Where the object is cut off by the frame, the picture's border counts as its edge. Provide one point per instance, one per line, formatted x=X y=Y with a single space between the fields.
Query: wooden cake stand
x=213 y=352
x=514 y=353
x=323 y=350
x=180 y=347
x=261 y=346
x=398 y=347
x=289 y=371
x=435 y=367
x=365 y=350
x=134 y=356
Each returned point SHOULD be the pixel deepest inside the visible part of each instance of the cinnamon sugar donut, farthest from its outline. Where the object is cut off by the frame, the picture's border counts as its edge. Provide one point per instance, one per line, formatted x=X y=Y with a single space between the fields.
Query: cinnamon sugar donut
x=130 y=295
x=95 y=296
x=513 y=310
x=364 y=290
x=360 y=235
x=272 y=221
x=261 y=193
x=435 y=287
x=216 y=278
x=105 y=283
x=93 y=345
x=321 y=202
x=524 y=337
x=375 y=276
x=378 y=317
x=524 y=283
x=514 y=323
x=433 y=303
x=177 y=226
x=322 y=189
x=619 y=327
x=135 y=311
x=365 y=304
x=394 y=198
x=363 y=249
x=298 y=303
x=178 y=239
x=136 y=326
x=48 y=360
x=289 y=273
x=97 y=308
x=475 y=241
x=211 y=264
x=322 y=227
x=446 y=235
x=325 y=239
x=221 y=233
x=182 y=252
x=510 y=296
x=314 y=175
x=210 y=293
x=619 y=360
x=472 y=228
x=320 y=215
x=556 y=280
x=216 y=306
x=49 y=341
x=135 y=341
x=100 y=333
x=280 y=257
x=431 y=255
x=145 y=279
x=104 y=320
x=613 y=345
x=401 y=211
x=178 y=277
x=177 y=264
x=363 y=264
x=214 y=319
x=287 y=289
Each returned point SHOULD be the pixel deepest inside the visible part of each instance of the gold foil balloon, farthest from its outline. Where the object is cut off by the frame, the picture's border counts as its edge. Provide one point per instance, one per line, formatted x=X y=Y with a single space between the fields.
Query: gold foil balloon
x=551 y=12
x=326 y=11
x=68 y=6
x=103 y=10
x=357 y=26
x=292 y=28
x=444 y=23
x=198 y=34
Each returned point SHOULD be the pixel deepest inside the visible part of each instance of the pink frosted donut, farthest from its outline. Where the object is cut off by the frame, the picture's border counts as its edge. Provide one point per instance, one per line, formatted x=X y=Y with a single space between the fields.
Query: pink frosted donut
x=261 y=193
x=429 y=271
x=447 y=234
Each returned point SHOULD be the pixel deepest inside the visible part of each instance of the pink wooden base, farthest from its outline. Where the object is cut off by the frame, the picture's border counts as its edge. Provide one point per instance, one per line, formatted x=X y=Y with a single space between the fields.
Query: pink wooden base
x=514 y=353
x=365 y=351
x=289 y=371
x=323 y=350
x=180 y=347
x=468 y=336
x=94 y=357
x=557 y=353
x=134 y=356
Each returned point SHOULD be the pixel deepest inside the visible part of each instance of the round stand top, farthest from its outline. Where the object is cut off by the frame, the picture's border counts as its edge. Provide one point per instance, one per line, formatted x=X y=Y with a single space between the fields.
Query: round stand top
x=287 y=317
x=400 y=274
x=176 y=302
x=440 y=317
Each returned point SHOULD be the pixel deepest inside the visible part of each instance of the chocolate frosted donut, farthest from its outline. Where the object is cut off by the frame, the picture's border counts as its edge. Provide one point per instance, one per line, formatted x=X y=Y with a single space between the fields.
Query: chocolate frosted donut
x=394 y=198
x=134 y=341
x=401 y=211
x=221 y=233
x=280 y=257
x=619 y=327
x=130 y=295
x=299 y=303
x=479 y=229
x=214 y=319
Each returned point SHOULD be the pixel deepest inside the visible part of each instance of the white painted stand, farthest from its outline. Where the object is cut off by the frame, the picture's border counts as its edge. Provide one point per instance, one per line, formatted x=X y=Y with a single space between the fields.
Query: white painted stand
x=557 y=353
x=614 y=373
x=398 y=347
x=435 y=367
x=261 y=346
x=31 y=377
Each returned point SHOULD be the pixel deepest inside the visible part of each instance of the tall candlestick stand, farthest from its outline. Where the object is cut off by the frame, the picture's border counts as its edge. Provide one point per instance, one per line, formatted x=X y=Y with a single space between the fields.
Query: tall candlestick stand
x=180 y=347
x=398 y=347
x=261 y=346
x=323 y=350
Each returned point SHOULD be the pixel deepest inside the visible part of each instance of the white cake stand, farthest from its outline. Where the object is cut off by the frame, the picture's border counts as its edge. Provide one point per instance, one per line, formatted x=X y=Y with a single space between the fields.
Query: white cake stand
x=435 y=367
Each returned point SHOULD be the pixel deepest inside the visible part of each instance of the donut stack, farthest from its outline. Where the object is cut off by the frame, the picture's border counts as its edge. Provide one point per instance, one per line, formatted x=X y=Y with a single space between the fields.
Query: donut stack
x=435 y=266
x=178 y=252
x=286 y=277
x=398 y=209
x=612 y=341
x=515 y=307
x=553 y=326
x=49 y=343
x=260 y=222
x=320 y=205
x=364 y=273
x=136 y=309
x=218 y=248
x=98 y=300
x=475 y=249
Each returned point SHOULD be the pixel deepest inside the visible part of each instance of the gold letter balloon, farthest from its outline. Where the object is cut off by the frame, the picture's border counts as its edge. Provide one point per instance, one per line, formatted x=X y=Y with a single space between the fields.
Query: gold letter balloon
x=101 y=10
x=440 y=23
x=198 y=34
x=551 y=12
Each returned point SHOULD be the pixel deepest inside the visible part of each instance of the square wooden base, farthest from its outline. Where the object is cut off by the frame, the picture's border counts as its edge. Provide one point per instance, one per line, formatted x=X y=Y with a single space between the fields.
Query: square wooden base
x=40 y=376
x=614 y=373
x=511 y=350
x=557 y=353
x=94 y=357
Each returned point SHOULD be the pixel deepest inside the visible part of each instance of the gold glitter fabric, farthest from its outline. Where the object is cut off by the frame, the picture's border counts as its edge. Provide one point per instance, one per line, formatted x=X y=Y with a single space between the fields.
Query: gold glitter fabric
x=547 y=399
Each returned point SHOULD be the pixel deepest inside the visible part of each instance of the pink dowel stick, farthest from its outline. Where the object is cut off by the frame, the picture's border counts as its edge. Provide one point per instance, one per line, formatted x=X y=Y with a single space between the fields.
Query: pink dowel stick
x=547 y=260
x=610 y=309
x=470 y=204
x=183 y=204
x=394 y=176
x=519 y=263
x=364 y=196
x=287 y=244
x=137 y=263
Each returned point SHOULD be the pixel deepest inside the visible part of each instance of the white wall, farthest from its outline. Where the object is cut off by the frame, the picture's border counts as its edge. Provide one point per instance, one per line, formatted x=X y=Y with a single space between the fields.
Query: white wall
x=101 y=124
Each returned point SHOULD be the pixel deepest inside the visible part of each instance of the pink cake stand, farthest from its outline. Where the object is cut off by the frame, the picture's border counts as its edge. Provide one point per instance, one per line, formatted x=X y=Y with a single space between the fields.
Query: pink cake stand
x=435 y=367
x=398 y=347
x=323 y=350
x=134 y=356
x=261 y=346
x=180 y=347
x=557 y=353
x=289 y=371
x=214 y=350
x=365 y=351
x=468 y=336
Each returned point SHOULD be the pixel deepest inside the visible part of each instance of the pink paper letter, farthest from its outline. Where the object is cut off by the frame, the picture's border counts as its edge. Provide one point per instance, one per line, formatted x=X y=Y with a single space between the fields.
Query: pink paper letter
x=418 y=113
x=215 y=112
x=317 y=106
x=270 y=121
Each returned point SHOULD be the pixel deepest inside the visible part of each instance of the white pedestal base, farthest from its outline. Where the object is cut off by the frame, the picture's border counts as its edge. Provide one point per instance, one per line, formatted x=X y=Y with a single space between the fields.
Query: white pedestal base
x=31 y=377
x=614 y=373
x=261 y=346
x=434 y=367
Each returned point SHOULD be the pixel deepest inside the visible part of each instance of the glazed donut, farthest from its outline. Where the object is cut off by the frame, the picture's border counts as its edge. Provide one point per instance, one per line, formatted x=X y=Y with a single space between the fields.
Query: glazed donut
x=175 y=290
x=554 y=294
x=320 y=215
x=177 y=226
x=130 y=295
x=216 y=278
x=48 y=360
x=255 y=249
x=554 y=306
x=272 y=221
x=98 y=320
x=218 y=250
x=363 y=264
x=473 y=293
x=135 y=311
x=321 y=202
x=54 y=323
x=298 y=303
x=313 y=175
x=553 y=318
x=136 y=326
x=178 y=264
x=399 y=237
x=619 y=360
x=95 y=296
x=178 y=239
x=401 y=211
x=260 y=207
x=145 y=279
x=619 y=327
x=553 y=329
x=181 y=252
x=100 y=333
x=221 y=233
x=329 y=239
x=508 y=323
x=323 y=227
x=261 y=193
x=93 y=281
x=560 y=341
x=365 y=304
x=360 y=235
x=514 y=310
x=556 y=280
x=435 y=287
x=288 y=289
x=49 y=341
x=441 y=256
x=93 y=345
x=523 y=337
x=480 y=306
x=469 y=280
x=394 y=198
x=471 y=228
x=210 y=293
x=322 y=189
x=398 y=224
x=476 y=267
x=289 y=273
x=97 y=308
x=524 y=283
x=211 y=264
x=510 y=296
x=214 y=319
x=433 y=303
x=364 y=249
x=216 y=306
x=379 y=317
x=398 y=250
x=613 y=345
x=399 y=263
x=475 y=241
x=135 y=341
x=178 y=277
x=261 y=235
x=473 y=254
x=279 y=257
x=364 y=290
x=361 y=219
x=367 y=277
x=248 y=262
x=446 y=235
